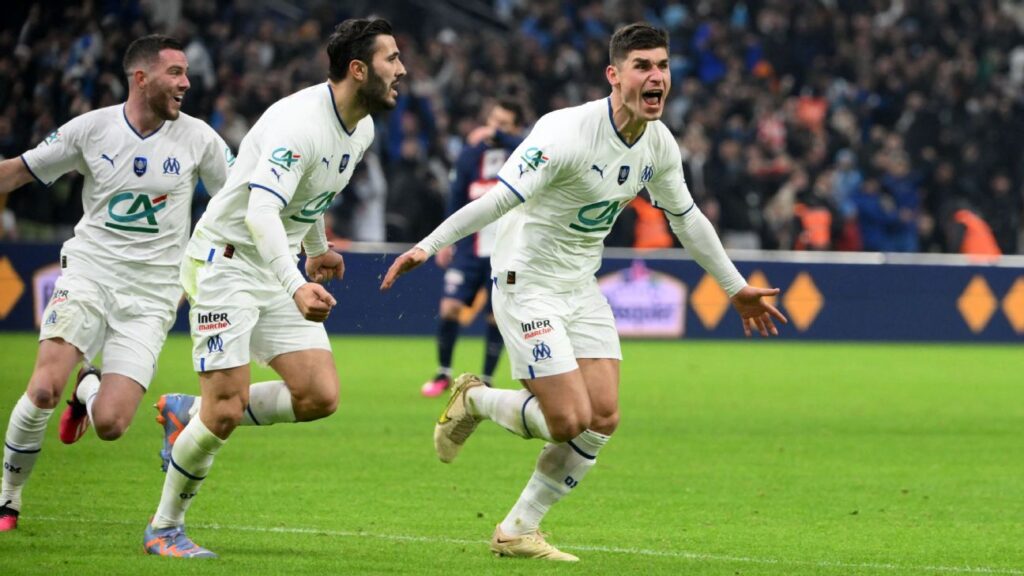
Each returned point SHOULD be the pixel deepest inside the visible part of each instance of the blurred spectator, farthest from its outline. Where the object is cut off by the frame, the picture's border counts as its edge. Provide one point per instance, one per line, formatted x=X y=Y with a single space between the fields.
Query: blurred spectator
x=910 y=105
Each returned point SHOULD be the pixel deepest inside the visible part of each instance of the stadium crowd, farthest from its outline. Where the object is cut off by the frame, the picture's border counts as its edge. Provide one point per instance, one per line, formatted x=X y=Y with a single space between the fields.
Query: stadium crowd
x=876 y=125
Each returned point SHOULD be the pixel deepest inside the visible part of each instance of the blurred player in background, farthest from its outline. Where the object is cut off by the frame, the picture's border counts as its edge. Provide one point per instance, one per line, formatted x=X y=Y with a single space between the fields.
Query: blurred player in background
x=118 y=291
x=561 y=192
x=468 y=262
x=249 y=300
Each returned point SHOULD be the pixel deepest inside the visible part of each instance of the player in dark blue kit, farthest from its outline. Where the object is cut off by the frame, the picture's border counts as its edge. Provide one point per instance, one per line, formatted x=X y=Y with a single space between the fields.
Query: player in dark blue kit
x=468 y=261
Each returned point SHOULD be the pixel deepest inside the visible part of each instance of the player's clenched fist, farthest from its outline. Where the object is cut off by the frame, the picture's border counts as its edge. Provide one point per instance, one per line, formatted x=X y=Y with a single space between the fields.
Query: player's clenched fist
x=314 y=302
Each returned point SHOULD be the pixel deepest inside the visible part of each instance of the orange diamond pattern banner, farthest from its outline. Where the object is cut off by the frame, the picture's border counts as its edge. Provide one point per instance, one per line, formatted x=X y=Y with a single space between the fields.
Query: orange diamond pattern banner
x=803 y=301
x=1013 y=306
x=11 y=287
x=709 y=301
x=977 y=304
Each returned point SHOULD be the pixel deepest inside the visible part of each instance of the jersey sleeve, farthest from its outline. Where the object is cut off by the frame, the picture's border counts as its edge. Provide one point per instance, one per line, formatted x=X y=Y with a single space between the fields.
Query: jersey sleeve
x=58 y=153
x=667 y=186
x=284 y=159
x=537 y=161
x=215 y=163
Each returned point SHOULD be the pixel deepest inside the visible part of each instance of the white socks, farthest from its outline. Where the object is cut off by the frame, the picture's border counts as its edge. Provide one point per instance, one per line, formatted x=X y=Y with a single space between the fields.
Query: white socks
x=269 y=403
x=560 y=468
x=517 y=411
x=86 y=392
x=24 y=439
x=191 y=459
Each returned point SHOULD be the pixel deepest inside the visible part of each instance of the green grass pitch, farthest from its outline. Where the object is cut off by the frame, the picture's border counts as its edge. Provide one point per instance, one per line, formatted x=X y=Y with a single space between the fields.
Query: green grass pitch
x=732 y=458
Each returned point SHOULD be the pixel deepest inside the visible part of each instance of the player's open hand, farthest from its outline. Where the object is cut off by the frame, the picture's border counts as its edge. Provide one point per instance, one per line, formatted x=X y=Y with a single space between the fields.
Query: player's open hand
x=314 y=302
x=404 y=263
x=755 y=312
x=328 y=266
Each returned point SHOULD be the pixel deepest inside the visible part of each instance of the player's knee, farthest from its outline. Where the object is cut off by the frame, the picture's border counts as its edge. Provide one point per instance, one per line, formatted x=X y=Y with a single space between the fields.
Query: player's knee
x=226 y=413
x=112 y=427
x=605 y=423
x=566 y=427
x=43 y=391
x=319 y=403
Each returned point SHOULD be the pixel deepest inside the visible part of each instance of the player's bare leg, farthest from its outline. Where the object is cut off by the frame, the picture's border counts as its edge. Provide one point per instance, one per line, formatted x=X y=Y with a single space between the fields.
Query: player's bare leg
x=562 y=466
x=27 y=426
x=225 y=394
x=312 y=378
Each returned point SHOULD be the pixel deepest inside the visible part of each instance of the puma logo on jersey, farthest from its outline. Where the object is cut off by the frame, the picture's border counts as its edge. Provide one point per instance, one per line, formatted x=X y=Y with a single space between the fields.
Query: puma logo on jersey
x=108 y=159
x=326 y=163
x=598 y=170
x=275 y=173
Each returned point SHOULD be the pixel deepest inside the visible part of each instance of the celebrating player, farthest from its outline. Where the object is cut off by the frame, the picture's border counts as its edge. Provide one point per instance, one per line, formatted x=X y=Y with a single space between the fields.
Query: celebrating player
x=248 y=298
x=560 y=192
x=119 y=290
x=487 y=149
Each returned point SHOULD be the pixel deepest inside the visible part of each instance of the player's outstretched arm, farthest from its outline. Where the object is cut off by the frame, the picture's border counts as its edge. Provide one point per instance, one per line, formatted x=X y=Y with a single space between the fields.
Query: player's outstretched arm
x=756 y=312
x=13 y=175
x=404 y=263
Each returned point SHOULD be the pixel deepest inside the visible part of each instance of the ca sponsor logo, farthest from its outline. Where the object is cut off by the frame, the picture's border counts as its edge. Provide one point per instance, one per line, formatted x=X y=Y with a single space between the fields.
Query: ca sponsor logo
x=541 y=351
x=314 y=207
x=135 y=212
x=52 y=137
x=172 y=166
x=207 y=321
x=214 y=344
x=533 y=158
x=597 y=217
x=536 y=328
x=229 y=156
x=284 y=158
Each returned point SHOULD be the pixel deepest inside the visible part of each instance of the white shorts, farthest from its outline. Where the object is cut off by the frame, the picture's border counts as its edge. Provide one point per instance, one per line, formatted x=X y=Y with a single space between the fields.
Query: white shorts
x=546 y=331
x=127 y=325
x=240 y=312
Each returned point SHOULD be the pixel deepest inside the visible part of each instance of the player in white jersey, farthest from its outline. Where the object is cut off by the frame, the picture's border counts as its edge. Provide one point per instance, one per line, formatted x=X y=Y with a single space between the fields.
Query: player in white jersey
x=249 y=301
x=560 y=192
x=118 y=292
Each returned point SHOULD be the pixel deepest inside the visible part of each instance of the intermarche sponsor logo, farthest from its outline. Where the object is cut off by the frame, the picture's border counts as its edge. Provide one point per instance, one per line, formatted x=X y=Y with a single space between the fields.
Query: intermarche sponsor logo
x=59 y=296
x=535 y=328
x=207 y=321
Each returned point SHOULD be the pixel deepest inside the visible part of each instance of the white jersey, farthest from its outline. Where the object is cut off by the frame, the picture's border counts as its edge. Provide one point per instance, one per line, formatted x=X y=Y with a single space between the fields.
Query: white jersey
x=574 y=174
x=299 y=151
x=137 y=198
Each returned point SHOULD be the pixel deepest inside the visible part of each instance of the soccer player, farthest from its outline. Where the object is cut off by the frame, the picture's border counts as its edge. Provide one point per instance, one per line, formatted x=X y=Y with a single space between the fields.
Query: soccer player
x=469 y=268
x=560 y=193
x=119 y=290
x=249 y=300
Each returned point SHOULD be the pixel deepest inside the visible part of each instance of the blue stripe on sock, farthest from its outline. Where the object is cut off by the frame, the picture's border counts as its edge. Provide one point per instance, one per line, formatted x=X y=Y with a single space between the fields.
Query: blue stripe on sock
x=522 y=414
x=248 y=408
x=581 y=452
x=20 y=451
x=182 y=470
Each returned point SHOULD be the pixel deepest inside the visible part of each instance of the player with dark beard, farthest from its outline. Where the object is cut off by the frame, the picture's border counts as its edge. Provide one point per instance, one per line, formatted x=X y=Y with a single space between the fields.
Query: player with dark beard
x=249 y=300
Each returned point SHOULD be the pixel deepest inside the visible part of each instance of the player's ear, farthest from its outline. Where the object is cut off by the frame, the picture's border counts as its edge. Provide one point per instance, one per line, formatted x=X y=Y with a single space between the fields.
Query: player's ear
x=138 y=77
x=612 y=74
x=357 y=70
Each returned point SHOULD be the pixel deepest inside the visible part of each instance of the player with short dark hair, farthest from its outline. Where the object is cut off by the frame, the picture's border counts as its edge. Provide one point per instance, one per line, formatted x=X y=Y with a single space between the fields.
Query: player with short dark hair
x=558 y=197
x=118 y=292
x=248 y=299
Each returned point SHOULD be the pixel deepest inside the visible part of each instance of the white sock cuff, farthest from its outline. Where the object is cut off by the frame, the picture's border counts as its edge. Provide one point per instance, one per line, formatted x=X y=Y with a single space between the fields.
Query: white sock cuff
x=200 y=435
x=589 y=443
x=27 y=424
